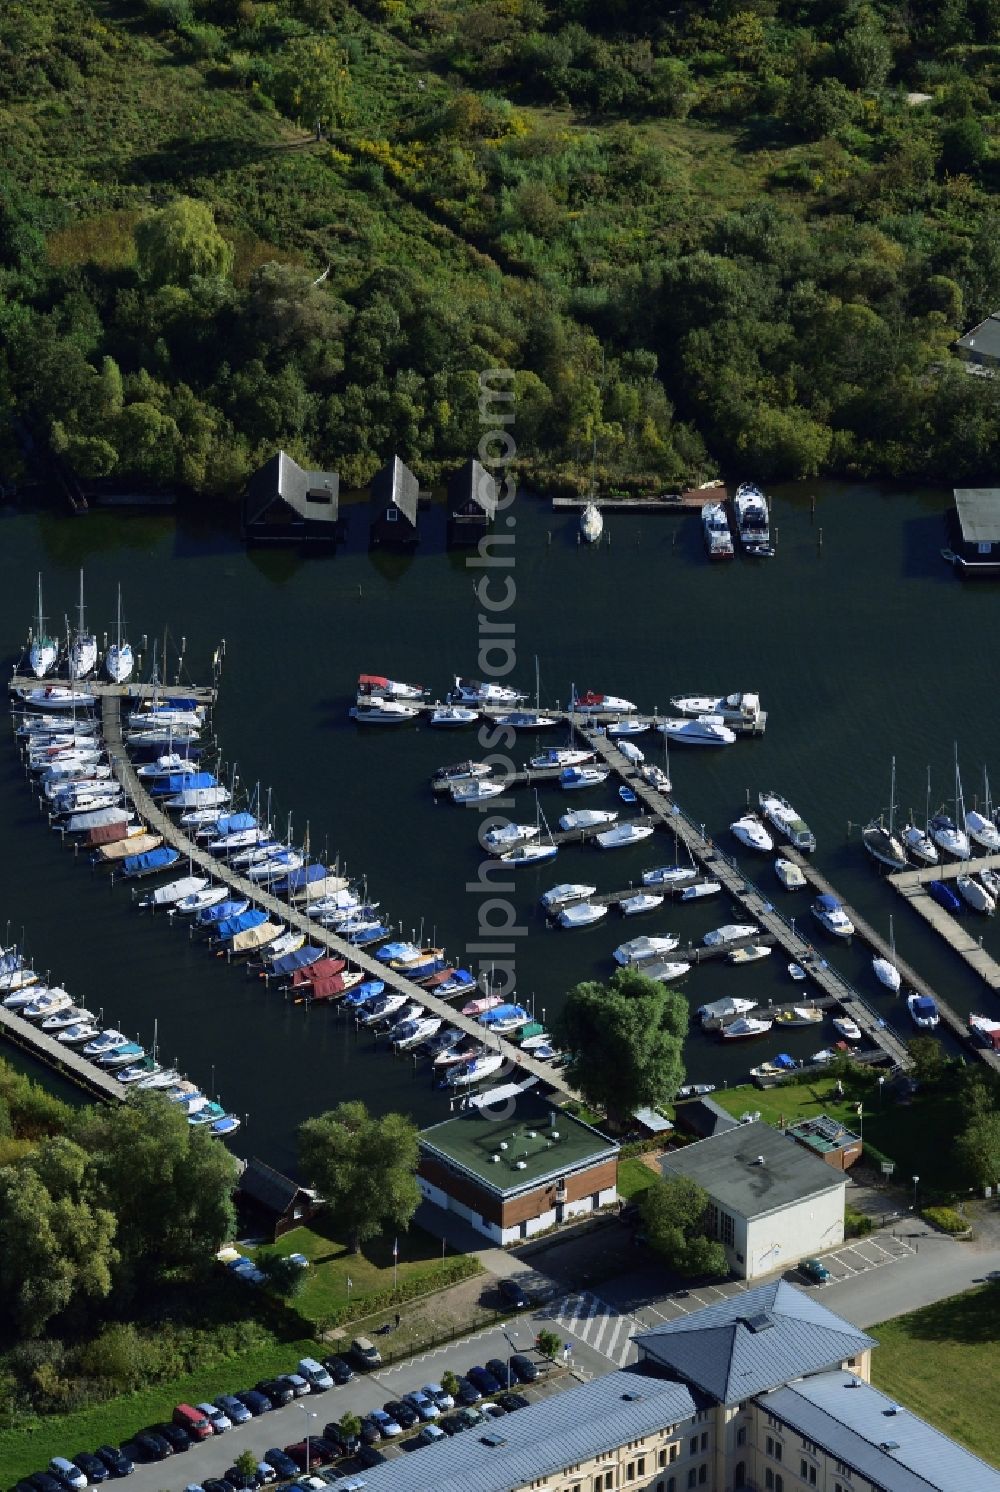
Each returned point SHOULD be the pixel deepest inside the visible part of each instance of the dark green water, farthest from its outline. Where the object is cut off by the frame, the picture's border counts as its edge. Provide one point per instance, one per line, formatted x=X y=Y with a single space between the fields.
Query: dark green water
x=864 y=648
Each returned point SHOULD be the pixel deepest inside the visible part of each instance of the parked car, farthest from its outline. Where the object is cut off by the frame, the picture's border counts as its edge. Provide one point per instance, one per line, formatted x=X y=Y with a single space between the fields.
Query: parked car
x=115 y=1460
x=468 y=1393
x=317 y=1377
x=339 y=1369
x=501 y=1371
x=510 y=1402
x=368 y=1456
x=492 y=1410
x=69 y=1475
x=44 y=1481
x=815 y=1271
x=194 y=1421
x=428 y=1435
x=241 y=1481
x=451 y=1424
x=423 y=1404
x=281 y=1461
x=388 y=1426
x=347 y=1445
x=469 y=1417
x=178 y=1440
x=216 y=1417
x=233 y=1408
x=265 y=1475
x=217 y=1484
x=255 y=1401
x=371 y=1431
x=320 y=1453
x=404 y=1414
x=364 y=1351
x=298 y=1384
x=484 y=1380
x=523 y=1369
x=94 y=1470
x=152 y=1445
x=512 y=1294
x=437 y=1396
x=278 y=1390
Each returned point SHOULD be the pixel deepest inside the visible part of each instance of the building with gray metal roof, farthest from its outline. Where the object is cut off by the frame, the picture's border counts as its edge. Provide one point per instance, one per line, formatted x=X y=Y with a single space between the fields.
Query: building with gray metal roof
x=982 y=344
x=283 y=501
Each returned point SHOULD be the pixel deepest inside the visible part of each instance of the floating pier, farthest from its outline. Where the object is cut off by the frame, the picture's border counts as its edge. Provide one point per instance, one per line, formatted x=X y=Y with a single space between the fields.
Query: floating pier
x=56 y=1054
x=912 y=886
x=677 y=503
x=101 y=689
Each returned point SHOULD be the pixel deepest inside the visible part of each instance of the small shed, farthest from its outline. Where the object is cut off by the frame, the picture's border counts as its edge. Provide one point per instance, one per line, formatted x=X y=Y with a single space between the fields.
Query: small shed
x=975 y=531
x=703 y=1117
x=283 y=502
x=273 y=1203
x=395 y=500
x=829 y=1139
x=472 y=502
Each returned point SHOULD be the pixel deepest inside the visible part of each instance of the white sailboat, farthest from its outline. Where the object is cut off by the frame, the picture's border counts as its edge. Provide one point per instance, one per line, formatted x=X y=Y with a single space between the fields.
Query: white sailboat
x=949 y=834
x=44 y=650
x=537 y=849
x=880 y=841
x=980 y=826
x=83 y=648
x=885 y=968
x=975 y=895
x=118 y=660
x=591 y=523
x=917 y=840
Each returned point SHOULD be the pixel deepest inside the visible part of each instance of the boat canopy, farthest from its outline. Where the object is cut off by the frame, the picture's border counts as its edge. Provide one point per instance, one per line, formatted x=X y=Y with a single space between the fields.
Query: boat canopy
x=784 y=1060
x=372 y=681
x=501 y=1013
x=230 y=927
x=97 y=818
x=234 y=823
x=319 y=969
x=157 y=859
x=220 y=912
x=178 y=782
x=301 y=958
x=590 y=698
x=151 y=707
x=924 y=1005
x=299 y=878
x=326 y=988
x=828 y=903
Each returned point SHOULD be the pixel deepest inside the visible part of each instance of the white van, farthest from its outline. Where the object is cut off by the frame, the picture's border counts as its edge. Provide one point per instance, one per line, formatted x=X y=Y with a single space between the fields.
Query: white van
x=315 y=1374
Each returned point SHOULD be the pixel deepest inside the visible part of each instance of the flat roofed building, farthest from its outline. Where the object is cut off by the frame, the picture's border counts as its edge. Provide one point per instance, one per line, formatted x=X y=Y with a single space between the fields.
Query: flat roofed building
x=832 y=1141
x=975 y=531
x=771 y=1202
x=514 y=1177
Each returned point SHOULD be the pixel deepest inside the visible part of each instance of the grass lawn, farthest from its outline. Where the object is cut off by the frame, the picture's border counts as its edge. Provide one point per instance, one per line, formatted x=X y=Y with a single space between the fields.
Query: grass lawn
x=942 y=1362
x=634 y=1176
x=370 y=1272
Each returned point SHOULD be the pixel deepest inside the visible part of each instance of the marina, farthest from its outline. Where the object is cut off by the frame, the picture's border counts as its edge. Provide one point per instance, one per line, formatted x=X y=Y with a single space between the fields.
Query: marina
x=62 y=1059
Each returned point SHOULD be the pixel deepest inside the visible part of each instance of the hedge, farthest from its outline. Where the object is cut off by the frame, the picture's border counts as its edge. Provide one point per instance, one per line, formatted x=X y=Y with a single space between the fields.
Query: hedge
x=946 y=1219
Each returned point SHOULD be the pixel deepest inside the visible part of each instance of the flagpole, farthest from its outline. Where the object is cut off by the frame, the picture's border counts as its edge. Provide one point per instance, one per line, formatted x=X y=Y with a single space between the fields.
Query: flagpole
x=395 y=1261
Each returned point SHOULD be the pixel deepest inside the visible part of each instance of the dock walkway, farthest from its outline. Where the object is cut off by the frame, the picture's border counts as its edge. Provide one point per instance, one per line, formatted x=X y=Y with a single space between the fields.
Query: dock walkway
x=912 y=886
x=102 y=689
x=56 y=1054
x=219 y=870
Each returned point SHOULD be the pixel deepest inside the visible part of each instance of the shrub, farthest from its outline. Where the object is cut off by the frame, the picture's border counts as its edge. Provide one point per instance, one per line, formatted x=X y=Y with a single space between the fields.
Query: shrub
x=946 y=1219
x=856 y=1224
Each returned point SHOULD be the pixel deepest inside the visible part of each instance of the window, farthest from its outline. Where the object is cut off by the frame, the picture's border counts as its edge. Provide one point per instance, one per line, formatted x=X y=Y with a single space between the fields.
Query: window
x=609 y=1480
x=693 y=1446
x=812 y=1476
x=741 y=1435
x=692 y=1478
x=770 y=1445
x=727 y=1229
x=779 y=1482
x=675 y=1450
x=704 y=1440
x=807 y=1445
x=777 y=1450
x=392 y=515
x=630 y=1472
x=843 y=1470
x=769 y=1479
x=661 y=1457
x=702 y=1474
x=740 y=1475
x=640 y=1466
x=804 y=1470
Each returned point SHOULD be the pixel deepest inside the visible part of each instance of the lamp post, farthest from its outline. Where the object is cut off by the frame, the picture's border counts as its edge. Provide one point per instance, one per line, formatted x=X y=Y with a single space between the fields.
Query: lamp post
x=309 y=1414
x=916 y=1180
x=512 y=1344
x=881 y=1084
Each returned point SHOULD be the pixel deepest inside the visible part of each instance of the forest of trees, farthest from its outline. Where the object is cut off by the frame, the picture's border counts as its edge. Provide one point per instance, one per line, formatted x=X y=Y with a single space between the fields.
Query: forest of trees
x=737 y=234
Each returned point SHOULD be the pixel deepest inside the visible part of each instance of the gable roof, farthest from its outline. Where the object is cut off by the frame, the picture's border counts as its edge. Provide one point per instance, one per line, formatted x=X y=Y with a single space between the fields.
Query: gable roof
x=395 y=486
x=472 y=483
x=268 y=1187
x=983 y=339
x=753 y=1342
x=886 y=1443
x=283 y=480
x=752 y=1170
x=542 y=1440
x=703 y=1116
x=978 y=510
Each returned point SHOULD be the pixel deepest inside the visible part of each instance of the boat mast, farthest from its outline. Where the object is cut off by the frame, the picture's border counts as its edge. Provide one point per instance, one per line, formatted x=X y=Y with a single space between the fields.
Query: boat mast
x=892 y=797
x=927 y=805
x=119 y=620
x=41 y=619
x=959 y=800
x=82 y=627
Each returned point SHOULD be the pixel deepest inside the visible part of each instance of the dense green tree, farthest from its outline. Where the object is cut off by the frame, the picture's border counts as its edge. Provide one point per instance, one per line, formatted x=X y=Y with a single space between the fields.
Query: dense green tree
x=978 y=1148
x=364 y=1168
x=624 y=1041
x=313 y=80
x=963 y=146
x=181 y=242
x=674 y=1217
x=864 y=54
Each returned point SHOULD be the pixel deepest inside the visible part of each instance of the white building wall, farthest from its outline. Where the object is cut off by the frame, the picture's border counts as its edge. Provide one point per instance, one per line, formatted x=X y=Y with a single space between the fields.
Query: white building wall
x=782 y=1238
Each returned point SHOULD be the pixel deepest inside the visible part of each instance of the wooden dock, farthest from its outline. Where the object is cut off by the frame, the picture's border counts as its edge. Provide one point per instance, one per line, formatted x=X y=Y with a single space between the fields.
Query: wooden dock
x=281 y=911
x=64 y=1059
x=102 y=689
x=719 y=867
x=911 y=885
x=676 y=503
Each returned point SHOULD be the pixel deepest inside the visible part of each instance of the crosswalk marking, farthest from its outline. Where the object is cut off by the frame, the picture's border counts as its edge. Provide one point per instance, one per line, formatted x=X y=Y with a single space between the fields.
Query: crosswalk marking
x=603 y=1328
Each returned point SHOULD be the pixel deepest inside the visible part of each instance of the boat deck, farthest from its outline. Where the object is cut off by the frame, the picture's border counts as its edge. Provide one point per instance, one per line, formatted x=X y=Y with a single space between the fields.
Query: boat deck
x=64 y=1059
x=219 y=870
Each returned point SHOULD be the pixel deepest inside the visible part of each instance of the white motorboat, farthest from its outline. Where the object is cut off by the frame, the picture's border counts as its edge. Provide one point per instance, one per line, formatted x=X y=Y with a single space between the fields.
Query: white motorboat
x=174 y=891
x=119 y=660
x=529 y=854
x=377 y=685
x=748 y=955
x=847 y=1028
x=506 y=837
x=462 y=771
x=587 y=818
x=753 y=522
x=83 y=648
x=572 y=779
x=800 y=1015
x=198 y=797
x=643 y=950
x=829 y=912
x=196 y=901
x=170 y=764
x=377 y=711
x=695 y=1090
x=592 y=703
x=975 y=895
x=655 y=777
x=796 y=972
x=743 y=708
x=640 y=901
x=591 y=523
x=527 y=720
x=750 y=831
x=623 y=835
x=43 y=653
x=744 y=1027
x=664 y=971
x=788 y=822
x=731 y=932
x=78 y=1034
x=453 y=716
x=701 y=889
x=884 y=969
x=582 y=914
x=780 y=1067
x=563 y=894
x=479 y=692
x=107 y=1041
x=717 y=534
x=422 y=1028
x=789 y=874
x=617 y=729
x=923 y=1011
x=477 y=790
x=672 y=876
x=631 y=753
x=57 y=697
x=48 y=1002
x=68 y=1015
x=717 y=1012
x=704 y=730
x=282 y=863
x=562 y=756
x=483 y=1065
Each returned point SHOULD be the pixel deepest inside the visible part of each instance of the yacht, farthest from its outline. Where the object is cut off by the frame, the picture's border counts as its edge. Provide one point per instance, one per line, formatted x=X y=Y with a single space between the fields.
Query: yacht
x=743 y=708
x=78 y=1034
x=880 y=839
x=481 y=1066
x=975 y=895
x=748 y=955
x=582 y=914
x=829 y=912
x=923 y=1011
x=587 y=818
x=590 y=703
x=622 y=835
x=732 y=932
x=704 y=730
x=170 y=764
x=744 y=1027
x=562 y=756
x=527 y=720
x=750 y=831
x=57 y=697
x=119 y=660
x=507 y=837
x=107 y=1041
x=779 y=812
x=44 y=651
x=643 y=950
x=573 y=778
x=919 y=845
x=846 y=1027
x=628 y=727
x=565 y=893
x=375 y=710
x=884 y=969
x=789 y=874
x=478 y=692
x=638 y=902
x=716 y=531
x=980 y=826
x=591 y=523
x=753 y=522
x=529 y=854
x=949 y=837
x=663 y=971
x=453 y=716
x=83 y=648
x=376 y=684
x=718 y=1012
x=672 y=876
x=462 y=771
x=477 y=790
x=800 y=1015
